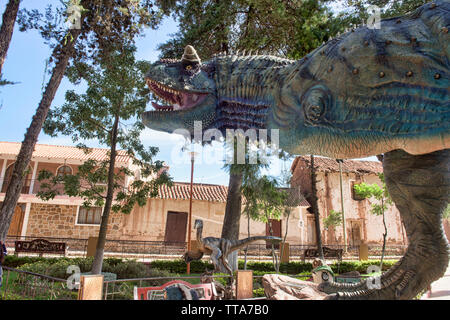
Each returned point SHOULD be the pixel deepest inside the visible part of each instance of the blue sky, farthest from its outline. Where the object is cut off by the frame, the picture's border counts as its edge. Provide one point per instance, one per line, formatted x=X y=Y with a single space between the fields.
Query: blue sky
x=25 y=64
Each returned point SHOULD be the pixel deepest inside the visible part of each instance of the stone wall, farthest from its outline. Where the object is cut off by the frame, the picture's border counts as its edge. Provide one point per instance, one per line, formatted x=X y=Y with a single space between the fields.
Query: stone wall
x=360 y=223
x=50 y=220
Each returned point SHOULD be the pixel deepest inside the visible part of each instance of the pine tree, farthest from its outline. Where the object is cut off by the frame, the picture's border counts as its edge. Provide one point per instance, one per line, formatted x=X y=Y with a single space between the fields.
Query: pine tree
x=7 y=29
x=101 y=24
x=109 y=111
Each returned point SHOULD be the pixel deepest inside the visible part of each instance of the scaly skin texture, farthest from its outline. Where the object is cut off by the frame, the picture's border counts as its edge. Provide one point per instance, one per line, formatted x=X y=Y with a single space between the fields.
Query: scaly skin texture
x=369 y=92
x=219 y=248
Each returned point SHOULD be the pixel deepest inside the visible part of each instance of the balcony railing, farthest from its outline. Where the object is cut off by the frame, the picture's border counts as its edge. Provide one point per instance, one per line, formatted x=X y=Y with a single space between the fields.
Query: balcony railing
x=25 y=187
x=36 y=185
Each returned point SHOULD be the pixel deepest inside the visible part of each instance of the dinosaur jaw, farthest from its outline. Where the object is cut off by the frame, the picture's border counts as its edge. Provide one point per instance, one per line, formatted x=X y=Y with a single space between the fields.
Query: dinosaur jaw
x=177 y=99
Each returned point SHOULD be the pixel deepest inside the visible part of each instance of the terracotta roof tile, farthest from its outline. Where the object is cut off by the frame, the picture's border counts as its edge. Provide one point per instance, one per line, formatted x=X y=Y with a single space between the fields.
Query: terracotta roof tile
x=331 y=165
x=202 y=192
x=62 y=152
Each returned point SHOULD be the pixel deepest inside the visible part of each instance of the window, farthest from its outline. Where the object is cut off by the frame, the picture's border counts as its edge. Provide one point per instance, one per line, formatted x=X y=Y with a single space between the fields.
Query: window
x=91 y=215
x=354 y=194
x=63 y=171
x=8 y=176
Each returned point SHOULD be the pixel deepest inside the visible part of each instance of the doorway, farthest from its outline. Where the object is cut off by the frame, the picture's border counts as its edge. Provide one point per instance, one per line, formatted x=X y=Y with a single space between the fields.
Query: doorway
x=15 y=228
x=355 y=231
x=176 y=227
x=276 y=231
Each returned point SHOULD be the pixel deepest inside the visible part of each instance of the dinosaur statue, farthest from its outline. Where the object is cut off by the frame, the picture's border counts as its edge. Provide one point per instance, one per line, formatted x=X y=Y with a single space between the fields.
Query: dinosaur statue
x=219 y=248
x=368 y=92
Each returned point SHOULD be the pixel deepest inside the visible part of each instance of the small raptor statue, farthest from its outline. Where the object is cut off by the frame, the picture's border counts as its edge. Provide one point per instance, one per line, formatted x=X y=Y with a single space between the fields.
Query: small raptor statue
x=219 y=248
x=366 y=93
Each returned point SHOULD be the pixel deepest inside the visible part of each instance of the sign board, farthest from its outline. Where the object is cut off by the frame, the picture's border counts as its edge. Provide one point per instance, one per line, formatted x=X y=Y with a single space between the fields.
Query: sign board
x=285 y=249
x=363 y=252
x=244 y=284
x=91 y=287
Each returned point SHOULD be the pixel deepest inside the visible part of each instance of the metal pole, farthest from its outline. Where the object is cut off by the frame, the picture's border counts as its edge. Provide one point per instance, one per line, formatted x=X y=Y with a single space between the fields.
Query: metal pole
x=342 y=205
x=188 y=268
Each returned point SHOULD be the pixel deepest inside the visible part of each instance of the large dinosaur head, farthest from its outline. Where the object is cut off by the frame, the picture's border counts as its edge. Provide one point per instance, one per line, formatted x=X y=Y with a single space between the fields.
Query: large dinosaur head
x=187 y=87
x=367 y=92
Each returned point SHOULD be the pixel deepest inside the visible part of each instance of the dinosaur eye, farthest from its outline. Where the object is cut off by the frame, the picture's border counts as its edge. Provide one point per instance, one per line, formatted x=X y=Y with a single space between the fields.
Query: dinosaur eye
x=315 y=103
x=188 y=67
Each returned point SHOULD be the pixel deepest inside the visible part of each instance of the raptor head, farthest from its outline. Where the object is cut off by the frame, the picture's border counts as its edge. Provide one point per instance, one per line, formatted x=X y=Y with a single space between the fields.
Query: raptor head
x=198 y=223
x=187 y=88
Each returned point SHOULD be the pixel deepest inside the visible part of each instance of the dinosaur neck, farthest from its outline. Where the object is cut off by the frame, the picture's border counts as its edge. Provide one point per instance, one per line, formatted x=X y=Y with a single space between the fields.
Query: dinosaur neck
x=249 y=79
x=199 y=233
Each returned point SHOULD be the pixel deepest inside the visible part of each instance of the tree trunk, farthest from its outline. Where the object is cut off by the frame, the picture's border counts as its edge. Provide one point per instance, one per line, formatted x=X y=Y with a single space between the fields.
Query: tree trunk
x=26 y=150
x=274 y=256
x=100 y=249
x=384 y=237
x=285 y=233
x=7 y=29
x=315 y=208
x=344 y=228
x=231 y=220
x=246 y=248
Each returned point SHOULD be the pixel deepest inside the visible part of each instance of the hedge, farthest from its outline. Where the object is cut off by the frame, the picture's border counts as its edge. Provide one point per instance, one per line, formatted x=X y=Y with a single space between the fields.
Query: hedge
x=179 y=266
x=296 y=267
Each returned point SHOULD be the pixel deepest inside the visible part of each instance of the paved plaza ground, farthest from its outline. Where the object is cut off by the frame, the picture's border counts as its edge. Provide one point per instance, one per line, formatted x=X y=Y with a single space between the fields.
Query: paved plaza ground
x=440 y=289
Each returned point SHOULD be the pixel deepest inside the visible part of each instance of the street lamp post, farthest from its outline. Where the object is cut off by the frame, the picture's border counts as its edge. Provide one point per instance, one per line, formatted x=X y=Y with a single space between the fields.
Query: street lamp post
x=193 y=154
x=342 y=204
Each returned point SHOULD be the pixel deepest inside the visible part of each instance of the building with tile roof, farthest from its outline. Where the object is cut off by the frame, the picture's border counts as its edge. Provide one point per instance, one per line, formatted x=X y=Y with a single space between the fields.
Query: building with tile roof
x=361 y=225
x=163 y=218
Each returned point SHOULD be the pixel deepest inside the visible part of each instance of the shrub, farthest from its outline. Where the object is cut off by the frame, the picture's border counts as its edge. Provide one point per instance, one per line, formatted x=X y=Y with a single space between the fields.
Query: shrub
x=179 y=266
x=259 y=292
x=123 y=269
x=15 y=262
x=295 y=267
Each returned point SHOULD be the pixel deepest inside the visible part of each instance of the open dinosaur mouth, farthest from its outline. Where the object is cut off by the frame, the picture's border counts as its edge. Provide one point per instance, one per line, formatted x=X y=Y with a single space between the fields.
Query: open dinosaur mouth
x=177 y=99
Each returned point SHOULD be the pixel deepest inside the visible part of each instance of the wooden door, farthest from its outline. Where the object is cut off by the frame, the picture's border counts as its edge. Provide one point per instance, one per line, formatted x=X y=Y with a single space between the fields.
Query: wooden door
x=15 y=228
x=311 y=231
x=276 y=231
x=176 y=227
x=356 y=233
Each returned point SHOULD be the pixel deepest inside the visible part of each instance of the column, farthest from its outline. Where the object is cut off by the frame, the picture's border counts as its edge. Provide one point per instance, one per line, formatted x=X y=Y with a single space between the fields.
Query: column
x=25 y=219
x=2 y=175
x=33 y=177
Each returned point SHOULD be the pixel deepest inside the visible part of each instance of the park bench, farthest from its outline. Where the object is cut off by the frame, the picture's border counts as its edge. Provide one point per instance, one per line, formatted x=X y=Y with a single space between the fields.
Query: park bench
x=204 y=291
x=39 y=246
x=327 y=253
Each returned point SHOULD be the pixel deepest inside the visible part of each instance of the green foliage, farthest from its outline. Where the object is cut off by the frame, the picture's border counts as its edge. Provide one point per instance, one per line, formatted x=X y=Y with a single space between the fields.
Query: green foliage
x=104 y=24
x=381 y=194
x=389 y=8
x=260 y=268
x=446 y=214
x=287 y=28
x=15 y=262
x=259 y=292
x=116 y=92
x=264 y=199
x=179 y=266
x=334 y=219
x=57 y=267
